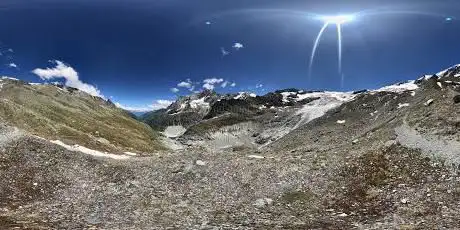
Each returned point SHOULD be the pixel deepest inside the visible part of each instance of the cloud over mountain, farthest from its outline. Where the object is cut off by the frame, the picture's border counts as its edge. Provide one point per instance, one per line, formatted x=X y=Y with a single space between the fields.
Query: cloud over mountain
x=158 y=104
x=68 y=73
x=211 y=82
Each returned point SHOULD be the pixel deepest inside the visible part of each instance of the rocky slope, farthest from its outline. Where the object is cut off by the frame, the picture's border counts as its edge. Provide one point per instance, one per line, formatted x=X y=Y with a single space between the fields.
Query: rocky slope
x=66 y=114
x=241 y=120
x=380 y=159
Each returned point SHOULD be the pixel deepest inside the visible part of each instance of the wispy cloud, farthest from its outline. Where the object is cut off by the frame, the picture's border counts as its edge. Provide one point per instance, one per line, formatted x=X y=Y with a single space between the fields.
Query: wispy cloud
x=224 y=84
x=224 y=52
x=233 y=84
x=174 y=90
x=259 y=86
x=238 y=46
x=156 y=105
x=11 y=50
x=69 y=74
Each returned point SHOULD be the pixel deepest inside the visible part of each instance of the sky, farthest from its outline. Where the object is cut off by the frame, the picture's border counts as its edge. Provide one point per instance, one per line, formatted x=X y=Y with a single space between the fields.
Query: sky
x=143 y=54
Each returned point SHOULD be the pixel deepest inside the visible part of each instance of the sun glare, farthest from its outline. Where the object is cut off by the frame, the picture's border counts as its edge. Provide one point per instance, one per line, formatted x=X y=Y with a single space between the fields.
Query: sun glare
x=338 y=19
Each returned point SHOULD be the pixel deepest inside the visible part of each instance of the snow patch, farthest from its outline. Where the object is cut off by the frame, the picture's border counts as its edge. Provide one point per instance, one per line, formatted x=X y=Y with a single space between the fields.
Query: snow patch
x=403 y=105
x=439 y=84
x=78 y=148
x=425 y=77
x=131 y=154
x=399 y=88
x=317 y=108
x=199 y=103
x=244 y=95
x=9 y=78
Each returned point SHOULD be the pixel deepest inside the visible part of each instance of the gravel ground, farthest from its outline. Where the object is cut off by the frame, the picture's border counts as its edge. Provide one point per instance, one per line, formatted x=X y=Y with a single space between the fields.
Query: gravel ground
x=354 y=174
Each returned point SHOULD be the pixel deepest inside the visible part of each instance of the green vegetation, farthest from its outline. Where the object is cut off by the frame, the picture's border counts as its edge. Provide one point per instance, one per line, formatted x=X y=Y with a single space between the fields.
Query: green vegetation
x=74 y=118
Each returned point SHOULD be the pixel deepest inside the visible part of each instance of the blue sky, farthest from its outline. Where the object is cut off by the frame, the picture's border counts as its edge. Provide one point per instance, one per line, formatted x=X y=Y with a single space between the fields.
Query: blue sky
x=136 y=51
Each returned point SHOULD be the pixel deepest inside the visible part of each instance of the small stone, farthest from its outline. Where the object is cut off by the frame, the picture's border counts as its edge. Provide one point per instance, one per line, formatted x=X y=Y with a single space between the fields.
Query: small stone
x=342 y=215
x=262 y=202
x=404 y=201
x=390 y=143
x=457 y=99
x=355 y=141
x=429 y=102
x=200 y=162
x=35 y=183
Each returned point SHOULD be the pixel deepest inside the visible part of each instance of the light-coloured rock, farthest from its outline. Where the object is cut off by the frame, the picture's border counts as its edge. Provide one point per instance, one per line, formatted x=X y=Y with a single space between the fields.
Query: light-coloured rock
x=200 y=163
x=429 y=102
x=262 y=202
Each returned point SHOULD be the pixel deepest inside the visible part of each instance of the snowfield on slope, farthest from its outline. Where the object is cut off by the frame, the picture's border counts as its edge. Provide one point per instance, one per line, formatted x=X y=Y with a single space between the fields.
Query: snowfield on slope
x=317 y=108
x=399 y=88
x=82 y=149
x=174 y=131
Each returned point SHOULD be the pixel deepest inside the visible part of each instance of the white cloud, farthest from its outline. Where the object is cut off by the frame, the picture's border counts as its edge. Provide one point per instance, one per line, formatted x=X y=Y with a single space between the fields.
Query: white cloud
x=188 y=84
x=213 y=80
x=13 y=65
x=161 y=104
x=208 y=86
x=174 y=90
x=69 y=74
x=208 y=23
x=11 y=50
x=224 y=84
x=233 y=84
x=158 y=104
x=238 y=46
x=183 y=84
x=224 y=52
x=210 y=82
x=259 y=86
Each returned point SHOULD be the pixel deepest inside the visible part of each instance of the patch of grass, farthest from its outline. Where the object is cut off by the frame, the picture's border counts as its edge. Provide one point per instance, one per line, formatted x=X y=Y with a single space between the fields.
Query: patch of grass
x=76 y=117
x=297 y=196
x=366 y=179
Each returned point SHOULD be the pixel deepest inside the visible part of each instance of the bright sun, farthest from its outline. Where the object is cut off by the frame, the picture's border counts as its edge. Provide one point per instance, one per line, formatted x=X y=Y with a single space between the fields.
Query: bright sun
x=338 y=19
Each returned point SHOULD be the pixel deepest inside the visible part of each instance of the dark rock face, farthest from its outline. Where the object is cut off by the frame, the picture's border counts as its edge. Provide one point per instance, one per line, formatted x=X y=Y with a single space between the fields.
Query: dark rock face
x=360 y=91
x=457 y=99
x=183 y=113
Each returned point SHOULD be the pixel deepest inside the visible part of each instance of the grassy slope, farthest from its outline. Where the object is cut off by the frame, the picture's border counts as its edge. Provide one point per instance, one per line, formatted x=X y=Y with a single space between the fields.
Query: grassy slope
x=75 y=118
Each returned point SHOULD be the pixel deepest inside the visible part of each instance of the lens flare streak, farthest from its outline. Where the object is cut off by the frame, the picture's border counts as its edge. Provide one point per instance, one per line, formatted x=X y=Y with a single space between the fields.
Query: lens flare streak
x=315 y=46
x=338 y=21
x=339 y=40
